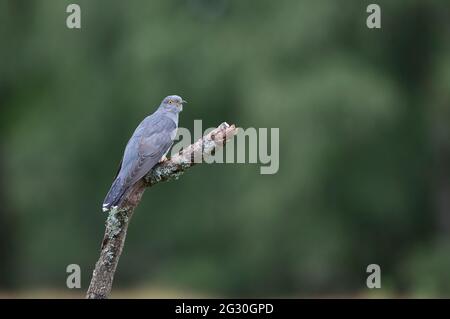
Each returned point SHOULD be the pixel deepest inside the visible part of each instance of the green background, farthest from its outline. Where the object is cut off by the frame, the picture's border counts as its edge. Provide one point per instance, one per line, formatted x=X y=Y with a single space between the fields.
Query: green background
x=364 y=146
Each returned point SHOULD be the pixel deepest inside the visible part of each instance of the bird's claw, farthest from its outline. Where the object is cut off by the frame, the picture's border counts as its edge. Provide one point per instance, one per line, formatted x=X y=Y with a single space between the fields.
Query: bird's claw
x=163 y=159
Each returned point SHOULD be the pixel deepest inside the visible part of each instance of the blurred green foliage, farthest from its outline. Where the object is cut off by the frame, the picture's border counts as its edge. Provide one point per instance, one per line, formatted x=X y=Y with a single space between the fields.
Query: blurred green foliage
x=364 y=143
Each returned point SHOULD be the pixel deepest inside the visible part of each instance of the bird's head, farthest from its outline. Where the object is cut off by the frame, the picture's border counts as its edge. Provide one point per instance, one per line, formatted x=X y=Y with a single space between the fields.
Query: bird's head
x=173 y=103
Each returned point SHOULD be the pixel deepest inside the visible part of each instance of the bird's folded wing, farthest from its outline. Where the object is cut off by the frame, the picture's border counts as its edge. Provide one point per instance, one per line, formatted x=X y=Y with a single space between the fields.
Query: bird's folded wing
x=150 y=151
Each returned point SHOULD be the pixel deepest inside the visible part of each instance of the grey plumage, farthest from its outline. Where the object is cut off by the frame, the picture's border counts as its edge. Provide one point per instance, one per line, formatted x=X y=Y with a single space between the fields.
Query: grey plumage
x=150 y=141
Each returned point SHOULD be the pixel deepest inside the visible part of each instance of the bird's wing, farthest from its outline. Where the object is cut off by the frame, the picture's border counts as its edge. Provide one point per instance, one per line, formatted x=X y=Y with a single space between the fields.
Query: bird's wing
x=147 y=148
x=118 y=169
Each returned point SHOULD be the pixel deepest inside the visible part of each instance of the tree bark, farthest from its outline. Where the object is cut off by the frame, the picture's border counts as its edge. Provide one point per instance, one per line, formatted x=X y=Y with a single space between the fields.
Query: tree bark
x=119 y=218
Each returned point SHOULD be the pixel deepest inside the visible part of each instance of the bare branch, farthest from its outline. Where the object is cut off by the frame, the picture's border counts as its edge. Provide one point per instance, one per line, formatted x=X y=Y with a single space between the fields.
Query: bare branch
x=119 y=218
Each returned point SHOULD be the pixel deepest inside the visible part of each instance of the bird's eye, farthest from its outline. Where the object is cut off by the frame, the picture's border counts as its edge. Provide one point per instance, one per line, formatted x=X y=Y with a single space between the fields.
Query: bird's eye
x=170 y=101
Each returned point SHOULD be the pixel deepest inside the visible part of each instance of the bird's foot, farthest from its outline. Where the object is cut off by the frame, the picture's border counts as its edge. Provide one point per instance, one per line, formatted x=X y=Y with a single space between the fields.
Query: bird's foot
x=163 y=159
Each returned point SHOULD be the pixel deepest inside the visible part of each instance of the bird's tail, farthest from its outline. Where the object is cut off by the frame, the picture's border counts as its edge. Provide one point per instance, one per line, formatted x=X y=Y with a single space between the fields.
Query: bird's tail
x=114 y=195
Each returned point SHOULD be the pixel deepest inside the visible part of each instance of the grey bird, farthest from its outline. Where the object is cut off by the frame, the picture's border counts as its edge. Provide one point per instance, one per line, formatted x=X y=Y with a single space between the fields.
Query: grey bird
x=149 y=144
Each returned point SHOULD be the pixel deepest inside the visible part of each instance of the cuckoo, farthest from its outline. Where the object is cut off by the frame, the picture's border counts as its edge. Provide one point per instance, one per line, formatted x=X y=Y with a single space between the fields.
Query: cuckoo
x=148 y=145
